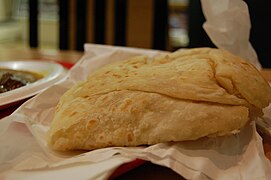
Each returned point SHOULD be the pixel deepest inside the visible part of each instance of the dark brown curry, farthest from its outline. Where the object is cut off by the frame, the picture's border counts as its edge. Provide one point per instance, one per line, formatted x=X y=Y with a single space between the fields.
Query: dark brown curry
x=13 y=79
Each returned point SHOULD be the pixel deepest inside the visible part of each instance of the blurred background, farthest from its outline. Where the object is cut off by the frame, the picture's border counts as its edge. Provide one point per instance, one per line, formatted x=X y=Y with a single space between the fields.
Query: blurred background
x=14 y=22
x=155 y=24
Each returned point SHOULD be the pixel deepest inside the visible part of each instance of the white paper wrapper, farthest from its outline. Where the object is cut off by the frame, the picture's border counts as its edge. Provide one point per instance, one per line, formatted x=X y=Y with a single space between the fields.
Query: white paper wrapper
x=228 y=26
x=24 y=153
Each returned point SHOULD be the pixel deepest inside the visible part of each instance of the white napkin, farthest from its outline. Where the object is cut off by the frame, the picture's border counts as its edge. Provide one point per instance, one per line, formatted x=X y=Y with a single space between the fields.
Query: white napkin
x=228 y=26
x=24 y=152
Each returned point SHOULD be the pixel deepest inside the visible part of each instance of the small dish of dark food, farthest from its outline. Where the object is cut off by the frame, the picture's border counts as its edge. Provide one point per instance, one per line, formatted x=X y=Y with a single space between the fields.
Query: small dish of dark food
x=13 y=79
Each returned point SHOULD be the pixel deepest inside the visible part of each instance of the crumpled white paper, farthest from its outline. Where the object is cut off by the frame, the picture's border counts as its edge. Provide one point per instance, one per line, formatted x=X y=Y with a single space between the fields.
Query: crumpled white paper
x=24 y=152
x=228 y=26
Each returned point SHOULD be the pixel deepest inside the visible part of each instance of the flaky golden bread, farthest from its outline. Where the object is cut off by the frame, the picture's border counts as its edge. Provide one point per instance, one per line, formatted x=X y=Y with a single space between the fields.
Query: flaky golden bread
x=180 y=96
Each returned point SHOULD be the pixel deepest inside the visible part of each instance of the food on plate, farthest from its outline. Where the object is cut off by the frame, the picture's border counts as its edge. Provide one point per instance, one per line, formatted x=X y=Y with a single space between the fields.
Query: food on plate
x=12 y=79
x=180 y=96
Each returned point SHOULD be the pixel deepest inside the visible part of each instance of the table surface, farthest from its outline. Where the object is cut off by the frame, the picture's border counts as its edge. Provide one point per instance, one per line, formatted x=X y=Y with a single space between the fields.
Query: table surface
x=147 y=170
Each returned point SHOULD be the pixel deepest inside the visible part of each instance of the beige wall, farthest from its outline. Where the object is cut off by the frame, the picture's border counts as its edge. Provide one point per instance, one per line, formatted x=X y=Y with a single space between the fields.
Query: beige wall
x=48 y=32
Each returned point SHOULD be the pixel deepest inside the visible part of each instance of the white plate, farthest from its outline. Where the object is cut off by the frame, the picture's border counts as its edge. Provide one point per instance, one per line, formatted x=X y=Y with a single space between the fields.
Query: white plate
x=52 y=73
